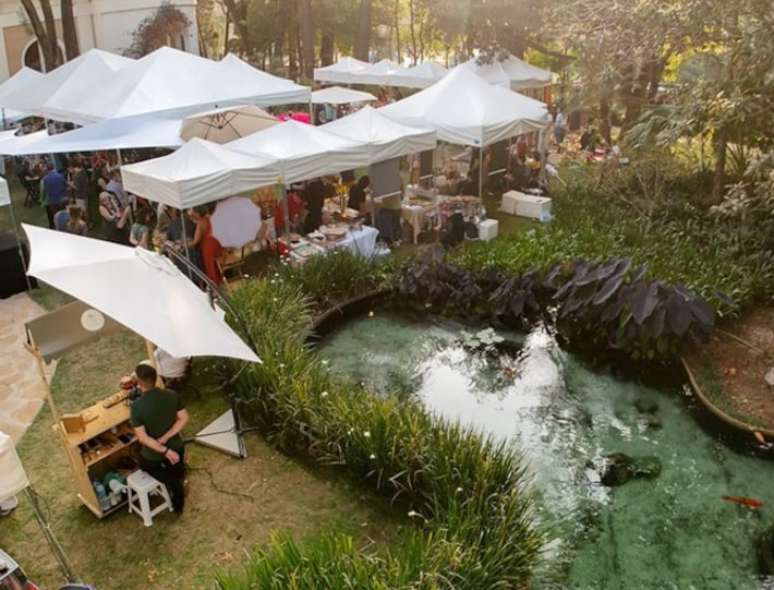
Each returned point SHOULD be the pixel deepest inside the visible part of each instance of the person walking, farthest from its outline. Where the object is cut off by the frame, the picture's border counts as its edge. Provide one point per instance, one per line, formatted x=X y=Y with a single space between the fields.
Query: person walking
x=158 y=417
x=55 y=187
x=560 y=129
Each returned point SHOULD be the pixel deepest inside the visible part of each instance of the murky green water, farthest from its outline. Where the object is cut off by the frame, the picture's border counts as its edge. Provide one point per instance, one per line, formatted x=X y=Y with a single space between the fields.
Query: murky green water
x=671 y=532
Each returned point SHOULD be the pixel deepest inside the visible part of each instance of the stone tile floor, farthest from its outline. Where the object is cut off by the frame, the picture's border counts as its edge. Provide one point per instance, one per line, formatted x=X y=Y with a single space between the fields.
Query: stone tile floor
x=22 y=392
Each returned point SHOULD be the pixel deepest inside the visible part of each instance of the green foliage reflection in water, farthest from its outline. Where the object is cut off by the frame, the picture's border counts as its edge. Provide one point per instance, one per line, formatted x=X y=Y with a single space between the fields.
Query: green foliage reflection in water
x=466 y=494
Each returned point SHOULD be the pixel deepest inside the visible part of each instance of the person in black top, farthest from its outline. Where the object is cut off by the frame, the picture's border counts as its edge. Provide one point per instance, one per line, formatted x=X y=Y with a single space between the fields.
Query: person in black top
x=314 y=195
x=357 y=195
x=158 y=417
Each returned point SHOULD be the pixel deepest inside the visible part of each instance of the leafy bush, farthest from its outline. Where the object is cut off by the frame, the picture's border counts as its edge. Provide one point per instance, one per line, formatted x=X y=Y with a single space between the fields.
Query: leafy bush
x=334 y=277
x=474 y=524
x=728 y=265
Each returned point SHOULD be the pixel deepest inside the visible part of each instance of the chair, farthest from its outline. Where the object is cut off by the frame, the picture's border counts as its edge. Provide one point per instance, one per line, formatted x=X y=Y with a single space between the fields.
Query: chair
x=141 y=486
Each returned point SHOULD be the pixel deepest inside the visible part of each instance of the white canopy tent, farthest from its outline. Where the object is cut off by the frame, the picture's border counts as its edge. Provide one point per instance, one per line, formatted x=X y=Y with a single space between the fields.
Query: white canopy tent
x=342 y=72
x=421 y=75
x=111 y=134
x=19 y=80
x=304 y=151
x=138 y=288
x=173 y=81
x=62 y=93
x=15 y=144
x=382 y=73
x=511 y=72
x=464 y=109
x=198 y=173
x=338 y=95
x=385 y=138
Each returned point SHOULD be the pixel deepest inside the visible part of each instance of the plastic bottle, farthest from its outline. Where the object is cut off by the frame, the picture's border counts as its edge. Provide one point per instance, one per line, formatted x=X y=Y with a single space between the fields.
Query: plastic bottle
x=102 y=497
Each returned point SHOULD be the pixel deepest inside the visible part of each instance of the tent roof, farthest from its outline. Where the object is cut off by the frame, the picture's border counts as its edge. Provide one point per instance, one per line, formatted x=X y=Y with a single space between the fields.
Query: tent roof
x=511 y=72
x=111 y=134
x=61 y=93
x=304 y=151
x=339 y=95
x=16 y=144
x=273 y=89
x=199 y=172
x=341 y=72
x=384 y=137
x=138 y=288
x=422 y=75
x=19 y=80
x=465 y=110
x=172 y=81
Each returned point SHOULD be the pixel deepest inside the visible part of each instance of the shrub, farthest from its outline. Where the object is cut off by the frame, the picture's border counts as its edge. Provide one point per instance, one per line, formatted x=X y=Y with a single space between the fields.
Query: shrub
x=467 y=493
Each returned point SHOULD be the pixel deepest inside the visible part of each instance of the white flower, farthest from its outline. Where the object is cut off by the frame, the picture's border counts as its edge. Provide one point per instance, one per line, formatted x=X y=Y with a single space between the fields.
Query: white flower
x=370 y=314
x=324 y=362
x=367 y=434
x=324 y=394
x=372 y=457
x=459 y=490
x=282 y=365
x=275 y=300
x=413 y=514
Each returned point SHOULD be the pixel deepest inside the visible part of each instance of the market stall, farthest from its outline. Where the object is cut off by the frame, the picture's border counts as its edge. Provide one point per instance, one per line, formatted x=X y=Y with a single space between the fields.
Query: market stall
x=165 y=308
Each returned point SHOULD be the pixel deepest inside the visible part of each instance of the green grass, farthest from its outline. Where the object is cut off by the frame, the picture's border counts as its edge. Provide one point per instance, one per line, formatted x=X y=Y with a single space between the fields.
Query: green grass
x=274 y=493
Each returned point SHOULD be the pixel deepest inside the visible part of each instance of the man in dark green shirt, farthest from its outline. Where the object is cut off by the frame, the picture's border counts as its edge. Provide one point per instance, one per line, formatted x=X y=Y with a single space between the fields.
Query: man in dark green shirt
x=158 y=417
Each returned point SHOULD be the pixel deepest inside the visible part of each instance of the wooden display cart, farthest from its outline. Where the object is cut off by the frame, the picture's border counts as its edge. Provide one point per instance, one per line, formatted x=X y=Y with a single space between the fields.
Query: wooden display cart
x=105 y=443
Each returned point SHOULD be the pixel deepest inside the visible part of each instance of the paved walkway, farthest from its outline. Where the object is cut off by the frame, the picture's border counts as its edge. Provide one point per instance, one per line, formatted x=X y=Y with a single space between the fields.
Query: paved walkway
x=22 y=392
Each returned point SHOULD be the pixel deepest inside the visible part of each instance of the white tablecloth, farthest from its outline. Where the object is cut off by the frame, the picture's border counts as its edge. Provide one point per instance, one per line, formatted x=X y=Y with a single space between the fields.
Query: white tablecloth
x=361 y=241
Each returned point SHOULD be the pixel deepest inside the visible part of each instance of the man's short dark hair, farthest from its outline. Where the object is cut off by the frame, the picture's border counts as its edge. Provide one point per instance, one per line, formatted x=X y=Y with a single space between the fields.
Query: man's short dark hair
x=146 y=374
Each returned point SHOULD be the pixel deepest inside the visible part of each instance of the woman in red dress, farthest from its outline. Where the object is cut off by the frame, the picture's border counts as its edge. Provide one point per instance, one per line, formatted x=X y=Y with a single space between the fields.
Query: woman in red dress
x=208 y=245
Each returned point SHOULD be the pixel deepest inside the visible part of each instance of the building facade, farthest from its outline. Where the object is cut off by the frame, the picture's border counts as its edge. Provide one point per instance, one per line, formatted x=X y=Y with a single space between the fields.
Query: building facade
x=104 y=24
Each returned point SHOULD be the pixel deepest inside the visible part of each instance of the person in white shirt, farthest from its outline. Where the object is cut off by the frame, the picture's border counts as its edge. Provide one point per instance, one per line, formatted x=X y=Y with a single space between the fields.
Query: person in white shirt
x=560 y=129
x=171 y=369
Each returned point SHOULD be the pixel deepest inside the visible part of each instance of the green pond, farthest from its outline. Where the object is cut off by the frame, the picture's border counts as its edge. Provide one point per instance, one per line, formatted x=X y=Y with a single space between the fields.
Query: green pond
x=674 y=531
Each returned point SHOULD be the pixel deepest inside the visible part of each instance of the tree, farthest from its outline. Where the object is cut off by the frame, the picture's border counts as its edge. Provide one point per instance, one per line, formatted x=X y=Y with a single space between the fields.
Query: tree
x=68 y=30
x=307 y=37
x=161 y=28
x=45 y=32
x=363 y=38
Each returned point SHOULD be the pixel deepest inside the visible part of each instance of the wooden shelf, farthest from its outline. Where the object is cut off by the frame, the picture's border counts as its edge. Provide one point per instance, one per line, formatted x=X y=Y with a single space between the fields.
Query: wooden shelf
x=113 y=450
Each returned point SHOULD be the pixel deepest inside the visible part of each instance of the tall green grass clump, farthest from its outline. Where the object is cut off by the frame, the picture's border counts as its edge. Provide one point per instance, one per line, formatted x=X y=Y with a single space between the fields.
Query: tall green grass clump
x=473 y=522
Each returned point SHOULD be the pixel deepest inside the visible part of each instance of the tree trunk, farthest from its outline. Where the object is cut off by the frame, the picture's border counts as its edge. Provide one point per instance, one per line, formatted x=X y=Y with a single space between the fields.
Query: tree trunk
x=45 y=32
x=363 y=39
x=292 y=42
x=68 y=30
x=237 y=11
x=225 y=34
x=604 y=116
x=422 y=37
x=307 y=37
x=413 y=33
x=281 y=23
x=326 y=48
x=719 y=178
x=397 y=30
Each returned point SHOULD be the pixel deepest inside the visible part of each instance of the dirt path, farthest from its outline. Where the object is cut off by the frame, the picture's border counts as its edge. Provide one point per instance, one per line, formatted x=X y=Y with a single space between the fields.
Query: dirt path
x=21 y=390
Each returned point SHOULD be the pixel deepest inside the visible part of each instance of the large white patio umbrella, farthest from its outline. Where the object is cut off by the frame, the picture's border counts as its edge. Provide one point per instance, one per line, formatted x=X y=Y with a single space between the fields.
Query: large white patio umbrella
x=227 y=124
x=139 y=289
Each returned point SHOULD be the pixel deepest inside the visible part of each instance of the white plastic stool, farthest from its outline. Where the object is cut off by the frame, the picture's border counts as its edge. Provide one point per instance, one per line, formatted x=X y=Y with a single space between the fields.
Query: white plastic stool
x=141 y=486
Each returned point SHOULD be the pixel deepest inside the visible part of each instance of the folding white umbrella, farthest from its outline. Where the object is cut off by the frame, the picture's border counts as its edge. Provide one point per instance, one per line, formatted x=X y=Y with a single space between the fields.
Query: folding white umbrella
x=139 y=289
x=198 y=173
x=227 y=124
x=236 y=222
x=339 y=95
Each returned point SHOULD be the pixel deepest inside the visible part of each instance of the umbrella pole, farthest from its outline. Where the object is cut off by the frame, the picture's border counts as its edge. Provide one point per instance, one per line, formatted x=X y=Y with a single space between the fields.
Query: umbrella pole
x=19 y=244
x=51 y=539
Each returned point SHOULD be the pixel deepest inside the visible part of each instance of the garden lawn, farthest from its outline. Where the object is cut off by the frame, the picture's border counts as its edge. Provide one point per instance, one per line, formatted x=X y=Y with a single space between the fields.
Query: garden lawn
x=232 y=506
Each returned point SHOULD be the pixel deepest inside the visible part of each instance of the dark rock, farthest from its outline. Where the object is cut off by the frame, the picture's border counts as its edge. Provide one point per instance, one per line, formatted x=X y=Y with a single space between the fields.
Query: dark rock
x=620 y=468
x=646 y=406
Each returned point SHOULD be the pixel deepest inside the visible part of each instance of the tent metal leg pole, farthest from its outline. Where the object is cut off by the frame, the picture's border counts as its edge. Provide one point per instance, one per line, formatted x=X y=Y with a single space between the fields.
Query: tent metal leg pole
x=19 y=244
x=285 y=209
x=481 y=174
x=51 y=539
x=185 y=240
x=311 y=113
